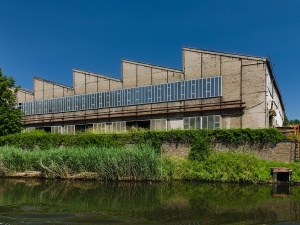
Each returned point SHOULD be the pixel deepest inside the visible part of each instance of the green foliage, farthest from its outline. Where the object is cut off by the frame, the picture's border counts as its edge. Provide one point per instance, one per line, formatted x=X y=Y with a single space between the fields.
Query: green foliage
x=285 y=120
x=139 y=163
x=43 y=140
x=134 y=163
x=288 y=122
x=10 y=117
x=200 y=150
x=294 y=122
x=233 y=167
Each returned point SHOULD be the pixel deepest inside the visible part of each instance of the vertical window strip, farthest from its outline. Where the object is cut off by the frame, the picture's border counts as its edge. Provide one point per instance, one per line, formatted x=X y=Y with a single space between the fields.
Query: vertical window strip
x=137 y=95
x=100 y=101
x=128 y=96
x=93 y=100
x=212 y=87
x=208 y=87
x=216 y=86
x=168 y=92
x=118 y=97
x=220 y=86
x=149 y=94
x=83 y=102
x=182 y=90
x=159 y=93
x=193 y=89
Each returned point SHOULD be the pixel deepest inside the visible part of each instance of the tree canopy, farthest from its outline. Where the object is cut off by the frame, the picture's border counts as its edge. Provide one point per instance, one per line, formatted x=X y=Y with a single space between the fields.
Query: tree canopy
x=288 y=122
x=10 y=116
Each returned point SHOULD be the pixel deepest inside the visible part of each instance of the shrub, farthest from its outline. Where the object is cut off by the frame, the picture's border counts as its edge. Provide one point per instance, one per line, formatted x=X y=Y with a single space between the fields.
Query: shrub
x=200 y=150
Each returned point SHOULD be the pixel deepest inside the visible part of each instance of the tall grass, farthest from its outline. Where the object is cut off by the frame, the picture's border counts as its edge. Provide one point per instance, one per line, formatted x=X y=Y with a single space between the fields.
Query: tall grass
x=138 y=163
x=134 y=163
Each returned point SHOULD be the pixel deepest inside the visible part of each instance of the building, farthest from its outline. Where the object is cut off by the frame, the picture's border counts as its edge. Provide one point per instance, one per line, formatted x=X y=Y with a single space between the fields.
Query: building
x=213 y=90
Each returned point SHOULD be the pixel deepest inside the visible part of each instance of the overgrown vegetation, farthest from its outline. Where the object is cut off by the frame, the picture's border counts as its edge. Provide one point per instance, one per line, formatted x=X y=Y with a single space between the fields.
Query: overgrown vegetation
x=138 y=163
x=137 y=155
x=10 y=117
x=200 y=150
x=134 y=163
x=43 y=140
x=234 y=167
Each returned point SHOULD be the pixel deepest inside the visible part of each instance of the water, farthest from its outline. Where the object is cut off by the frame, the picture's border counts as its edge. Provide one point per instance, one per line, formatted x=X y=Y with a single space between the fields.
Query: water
x=178 y=203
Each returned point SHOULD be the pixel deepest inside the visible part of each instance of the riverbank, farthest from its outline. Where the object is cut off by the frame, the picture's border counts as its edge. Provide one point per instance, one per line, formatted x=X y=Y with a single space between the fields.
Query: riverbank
x=135 y=164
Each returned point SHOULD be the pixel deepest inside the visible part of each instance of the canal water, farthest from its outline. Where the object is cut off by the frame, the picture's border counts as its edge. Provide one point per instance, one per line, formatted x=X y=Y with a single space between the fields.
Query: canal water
x=27 y=201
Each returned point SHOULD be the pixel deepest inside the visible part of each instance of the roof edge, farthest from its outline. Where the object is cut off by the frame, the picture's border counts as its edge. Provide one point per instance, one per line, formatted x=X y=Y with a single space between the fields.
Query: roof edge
x=97 y=75
x=52 y=82
x=26 y=90
x=276 y=85
x=225 y=53
x=151 y=65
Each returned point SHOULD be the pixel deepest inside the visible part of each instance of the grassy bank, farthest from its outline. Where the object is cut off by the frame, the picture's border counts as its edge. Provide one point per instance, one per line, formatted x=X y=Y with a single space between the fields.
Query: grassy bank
x=233 y=167
x=137 y=163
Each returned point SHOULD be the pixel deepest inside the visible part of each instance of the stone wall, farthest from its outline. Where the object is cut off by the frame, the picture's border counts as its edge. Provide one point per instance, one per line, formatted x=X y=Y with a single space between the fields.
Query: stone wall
x=283 y=151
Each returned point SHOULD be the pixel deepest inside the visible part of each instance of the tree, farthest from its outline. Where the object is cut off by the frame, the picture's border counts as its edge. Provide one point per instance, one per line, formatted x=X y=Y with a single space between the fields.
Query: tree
x=10 y=116
x=294 y=122
x=286 y=121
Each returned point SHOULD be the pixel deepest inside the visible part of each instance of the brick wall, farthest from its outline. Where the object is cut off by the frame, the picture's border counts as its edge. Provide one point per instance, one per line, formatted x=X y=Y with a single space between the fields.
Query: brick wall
x=283 y=151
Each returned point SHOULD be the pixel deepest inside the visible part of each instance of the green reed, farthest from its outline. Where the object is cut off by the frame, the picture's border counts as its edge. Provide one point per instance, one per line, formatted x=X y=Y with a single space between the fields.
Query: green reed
x=133 y=163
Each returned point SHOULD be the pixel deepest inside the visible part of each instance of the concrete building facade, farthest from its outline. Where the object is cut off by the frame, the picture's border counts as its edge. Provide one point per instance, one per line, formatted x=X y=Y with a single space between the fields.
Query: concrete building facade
x=213 y=90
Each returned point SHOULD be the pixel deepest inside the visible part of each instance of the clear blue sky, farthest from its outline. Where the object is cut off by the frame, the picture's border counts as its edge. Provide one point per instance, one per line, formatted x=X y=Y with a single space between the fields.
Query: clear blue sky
x=49 y=38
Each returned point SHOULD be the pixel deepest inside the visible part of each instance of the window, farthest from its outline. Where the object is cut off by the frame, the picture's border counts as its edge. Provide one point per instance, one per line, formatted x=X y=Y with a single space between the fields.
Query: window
x=68 y=129
x=192 y=122
x=99 y=128
x=56 y=129
x=158 y=124
x=114 y=127
x=211 y=122
x=204 y=122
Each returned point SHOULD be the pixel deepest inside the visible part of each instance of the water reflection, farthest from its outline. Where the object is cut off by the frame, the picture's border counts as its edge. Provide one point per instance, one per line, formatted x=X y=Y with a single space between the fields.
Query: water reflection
x=79 y=202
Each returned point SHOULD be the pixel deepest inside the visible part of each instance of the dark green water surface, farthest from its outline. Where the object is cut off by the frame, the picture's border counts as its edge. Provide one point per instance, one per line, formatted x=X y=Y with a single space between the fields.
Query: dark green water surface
x=25 y=201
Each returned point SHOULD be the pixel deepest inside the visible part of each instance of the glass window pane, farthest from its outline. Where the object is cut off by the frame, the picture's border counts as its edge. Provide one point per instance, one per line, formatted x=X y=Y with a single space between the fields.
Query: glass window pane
x=216 y=86
x=210 y=122
x=192 y=122
x=204 y=88
x=212 y=87
x=220 y=86
x=198 y=122
x=204 y=122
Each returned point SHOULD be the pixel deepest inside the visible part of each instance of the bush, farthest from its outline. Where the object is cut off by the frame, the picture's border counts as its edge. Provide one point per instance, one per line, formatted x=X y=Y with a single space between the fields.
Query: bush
x=200 y=150
x=43 y=140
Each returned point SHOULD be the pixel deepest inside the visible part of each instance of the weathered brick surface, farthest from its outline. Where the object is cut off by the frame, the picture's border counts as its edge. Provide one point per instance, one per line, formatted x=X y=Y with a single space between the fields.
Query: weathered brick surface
x=283 y=151
x=176 y=149
x=86 y=82
x=44 y=89
x=192 y=64
x=129 y=75
x=24 y=96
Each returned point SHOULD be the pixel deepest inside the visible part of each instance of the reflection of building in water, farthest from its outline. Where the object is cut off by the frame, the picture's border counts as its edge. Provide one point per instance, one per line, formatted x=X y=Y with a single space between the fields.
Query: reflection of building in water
x=212 y=90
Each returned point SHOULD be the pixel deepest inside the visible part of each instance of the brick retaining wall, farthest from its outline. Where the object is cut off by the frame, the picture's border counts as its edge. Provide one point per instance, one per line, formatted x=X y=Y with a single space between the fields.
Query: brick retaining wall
x=283 y=151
